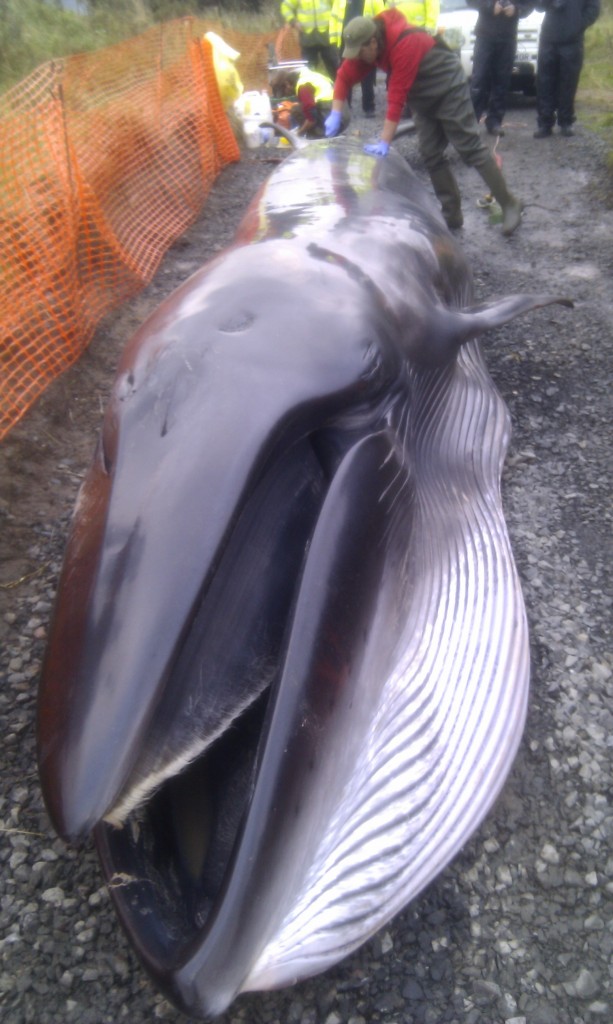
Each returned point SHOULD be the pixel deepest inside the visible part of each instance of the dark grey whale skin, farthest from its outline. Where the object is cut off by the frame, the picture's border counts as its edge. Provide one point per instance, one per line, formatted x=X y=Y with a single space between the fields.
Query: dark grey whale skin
x=301 y=447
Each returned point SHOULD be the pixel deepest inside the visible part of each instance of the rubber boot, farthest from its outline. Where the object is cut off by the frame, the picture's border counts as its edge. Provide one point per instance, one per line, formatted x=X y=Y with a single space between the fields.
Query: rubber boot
x=511 y=206
x=448 y=194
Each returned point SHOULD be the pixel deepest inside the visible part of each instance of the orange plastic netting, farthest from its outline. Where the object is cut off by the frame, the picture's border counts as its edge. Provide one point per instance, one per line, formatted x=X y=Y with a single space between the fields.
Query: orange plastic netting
x=106 y=158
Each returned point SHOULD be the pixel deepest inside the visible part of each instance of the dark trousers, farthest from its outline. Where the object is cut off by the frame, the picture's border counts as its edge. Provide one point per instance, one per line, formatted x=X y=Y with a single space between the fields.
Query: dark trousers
x=327 y=53
x=368 y=91
x=443 y=112
x=558 y=69
x=489 y=85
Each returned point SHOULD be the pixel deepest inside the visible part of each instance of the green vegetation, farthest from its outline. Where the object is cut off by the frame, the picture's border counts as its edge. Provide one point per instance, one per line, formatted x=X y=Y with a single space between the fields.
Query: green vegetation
x=595 y=96
x=33 y=31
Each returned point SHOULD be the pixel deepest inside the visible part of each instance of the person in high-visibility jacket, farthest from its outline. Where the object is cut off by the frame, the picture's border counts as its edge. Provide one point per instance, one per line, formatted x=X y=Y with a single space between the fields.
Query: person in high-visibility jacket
x=343 y=11
x=421 y=13
x=314 y=93
x=312 y=19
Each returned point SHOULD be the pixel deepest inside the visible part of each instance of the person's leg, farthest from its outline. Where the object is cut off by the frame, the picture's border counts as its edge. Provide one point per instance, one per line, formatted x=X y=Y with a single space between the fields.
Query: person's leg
x=448 y=194
x=555 y=80
x=480 y=82
x=329 y=60
x=338 y=56
x=308 y=53
x=368 y=92
x=432 y=143
x=546 y=88
x=442 y=91
x=502 y=65
x=571 y=62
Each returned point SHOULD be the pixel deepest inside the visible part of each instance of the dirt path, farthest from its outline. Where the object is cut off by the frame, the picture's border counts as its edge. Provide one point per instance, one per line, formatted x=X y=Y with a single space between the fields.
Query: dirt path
x=520 y=927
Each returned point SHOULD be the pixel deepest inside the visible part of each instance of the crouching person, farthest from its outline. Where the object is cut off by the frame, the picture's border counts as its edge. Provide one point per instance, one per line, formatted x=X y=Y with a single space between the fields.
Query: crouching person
x=313 y=93
x=424 y=72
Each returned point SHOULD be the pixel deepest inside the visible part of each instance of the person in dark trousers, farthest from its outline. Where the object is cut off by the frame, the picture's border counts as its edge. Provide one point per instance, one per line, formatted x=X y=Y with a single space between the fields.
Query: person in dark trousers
x=312 y=19
x=559 y=62
x=494 y=53
x=424 y=71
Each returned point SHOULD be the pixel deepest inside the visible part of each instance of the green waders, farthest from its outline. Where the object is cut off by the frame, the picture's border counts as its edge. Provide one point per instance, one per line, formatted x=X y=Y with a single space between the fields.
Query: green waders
x=443 y=113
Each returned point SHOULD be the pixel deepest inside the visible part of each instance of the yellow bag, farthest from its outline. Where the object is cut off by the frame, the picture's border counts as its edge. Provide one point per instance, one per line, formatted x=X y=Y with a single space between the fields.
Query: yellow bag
x=228 y=80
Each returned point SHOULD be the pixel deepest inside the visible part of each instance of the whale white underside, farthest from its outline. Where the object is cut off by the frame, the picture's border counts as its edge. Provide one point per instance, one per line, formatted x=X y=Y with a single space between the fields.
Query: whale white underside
x=435 y=751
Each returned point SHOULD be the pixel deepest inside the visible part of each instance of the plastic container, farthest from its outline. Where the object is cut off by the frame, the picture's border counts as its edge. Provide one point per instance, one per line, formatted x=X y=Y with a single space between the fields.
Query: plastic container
x=256 y=136
x=254 y=106
x=253 y=133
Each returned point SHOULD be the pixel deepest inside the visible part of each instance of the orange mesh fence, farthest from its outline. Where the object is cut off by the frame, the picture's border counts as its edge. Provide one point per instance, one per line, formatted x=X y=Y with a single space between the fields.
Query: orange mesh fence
x=106 y=158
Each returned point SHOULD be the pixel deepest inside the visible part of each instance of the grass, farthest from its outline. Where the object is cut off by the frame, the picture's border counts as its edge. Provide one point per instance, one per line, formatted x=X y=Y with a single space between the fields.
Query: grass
x=595 y=94
x=32 y=31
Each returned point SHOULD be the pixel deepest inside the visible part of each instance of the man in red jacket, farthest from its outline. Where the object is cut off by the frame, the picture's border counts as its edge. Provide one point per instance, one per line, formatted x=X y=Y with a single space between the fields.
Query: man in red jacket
x=428 y=74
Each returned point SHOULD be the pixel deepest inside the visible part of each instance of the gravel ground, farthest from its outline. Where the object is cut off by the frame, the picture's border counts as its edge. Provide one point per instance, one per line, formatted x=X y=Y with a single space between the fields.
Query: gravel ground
x=519 y=928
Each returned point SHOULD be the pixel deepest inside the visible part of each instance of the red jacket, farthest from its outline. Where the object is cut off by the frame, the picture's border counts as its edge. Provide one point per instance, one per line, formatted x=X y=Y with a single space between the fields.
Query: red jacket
x=306 y=99
x=400 y=59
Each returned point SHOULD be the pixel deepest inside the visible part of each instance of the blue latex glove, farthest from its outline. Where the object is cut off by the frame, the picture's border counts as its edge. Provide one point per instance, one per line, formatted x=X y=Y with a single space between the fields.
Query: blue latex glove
x=380 y=148
x=332 y=123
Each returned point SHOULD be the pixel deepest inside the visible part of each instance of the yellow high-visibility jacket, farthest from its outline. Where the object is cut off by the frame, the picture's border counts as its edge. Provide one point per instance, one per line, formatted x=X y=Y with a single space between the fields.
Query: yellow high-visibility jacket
x=421 y=13
x=311 y=15
x=337 y=17
x=323 y=87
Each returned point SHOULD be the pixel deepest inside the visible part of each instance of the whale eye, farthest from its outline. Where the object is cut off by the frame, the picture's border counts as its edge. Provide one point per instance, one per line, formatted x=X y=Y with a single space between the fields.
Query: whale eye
x=126 y=386
x=108 y=441
x=240 y=320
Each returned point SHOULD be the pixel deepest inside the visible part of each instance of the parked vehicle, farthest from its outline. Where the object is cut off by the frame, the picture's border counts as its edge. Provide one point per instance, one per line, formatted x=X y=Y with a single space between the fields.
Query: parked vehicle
x=457 y=23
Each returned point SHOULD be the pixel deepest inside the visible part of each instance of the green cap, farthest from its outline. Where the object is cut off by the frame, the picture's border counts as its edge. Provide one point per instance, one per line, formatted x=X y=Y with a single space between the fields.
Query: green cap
x=357 y=32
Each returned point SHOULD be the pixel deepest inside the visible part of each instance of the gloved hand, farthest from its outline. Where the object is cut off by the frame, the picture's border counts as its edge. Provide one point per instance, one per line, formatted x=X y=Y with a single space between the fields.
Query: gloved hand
x=379 y=148
x=332 y=124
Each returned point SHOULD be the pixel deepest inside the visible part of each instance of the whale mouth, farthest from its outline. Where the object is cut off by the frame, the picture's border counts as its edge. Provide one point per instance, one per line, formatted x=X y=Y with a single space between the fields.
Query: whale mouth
x=173 y=853
x=228 y=655
x=190 y=860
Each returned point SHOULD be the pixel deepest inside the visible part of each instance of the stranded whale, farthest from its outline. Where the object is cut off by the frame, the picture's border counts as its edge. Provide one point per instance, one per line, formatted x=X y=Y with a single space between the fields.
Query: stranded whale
x=288 y=667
